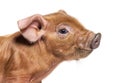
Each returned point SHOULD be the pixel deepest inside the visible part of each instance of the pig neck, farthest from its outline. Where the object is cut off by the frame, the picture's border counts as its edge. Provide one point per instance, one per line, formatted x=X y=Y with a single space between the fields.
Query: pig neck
x=49 y=59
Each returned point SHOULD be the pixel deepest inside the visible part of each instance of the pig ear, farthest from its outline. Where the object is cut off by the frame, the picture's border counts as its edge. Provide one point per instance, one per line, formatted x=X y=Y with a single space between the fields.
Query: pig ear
x=33 y=27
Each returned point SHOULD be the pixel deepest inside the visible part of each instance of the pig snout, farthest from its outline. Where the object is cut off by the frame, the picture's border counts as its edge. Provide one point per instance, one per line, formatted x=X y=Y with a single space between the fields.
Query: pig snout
x=89 y=41
x=95 y=41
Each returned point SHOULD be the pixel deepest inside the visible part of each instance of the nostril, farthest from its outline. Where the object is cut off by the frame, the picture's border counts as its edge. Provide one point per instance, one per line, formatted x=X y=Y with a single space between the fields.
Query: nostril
x=96 y=41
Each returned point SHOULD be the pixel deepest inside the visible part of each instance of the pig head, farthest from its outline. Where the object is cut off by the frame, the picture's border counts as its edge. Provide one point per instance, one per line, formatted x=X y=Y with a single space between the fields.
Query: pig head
x=43 y=42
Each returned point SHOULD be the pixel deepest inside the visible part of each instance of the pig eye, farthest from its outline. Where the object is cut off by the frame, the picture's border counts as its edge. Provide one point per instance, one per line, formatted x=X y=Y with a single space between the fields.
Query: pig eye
x=63 y=31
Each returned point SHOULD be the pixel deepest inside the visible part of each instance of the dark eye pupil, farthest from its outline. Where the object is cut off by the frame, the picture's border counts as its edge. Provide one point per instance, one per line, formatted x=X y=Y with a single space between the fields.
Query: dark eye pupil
x=63 y=31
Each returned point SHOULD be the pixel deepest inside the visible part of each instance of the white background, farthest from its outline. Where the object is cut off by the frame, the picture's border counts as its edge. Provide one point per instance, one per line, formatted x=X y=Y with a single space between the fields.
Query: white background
x=103 y=65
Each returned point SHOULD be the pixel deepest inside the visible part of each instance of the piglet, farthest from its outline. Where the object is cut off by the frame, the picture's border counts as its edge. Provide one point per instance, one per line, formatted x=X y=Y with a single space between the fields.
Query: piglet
x=44 y=41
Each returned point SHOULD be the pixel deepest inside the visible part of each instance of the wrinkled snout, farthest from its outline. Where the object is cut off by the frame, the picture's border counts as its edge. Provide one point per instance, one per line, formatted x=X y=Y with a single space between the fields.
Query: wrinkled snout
x=95 y=41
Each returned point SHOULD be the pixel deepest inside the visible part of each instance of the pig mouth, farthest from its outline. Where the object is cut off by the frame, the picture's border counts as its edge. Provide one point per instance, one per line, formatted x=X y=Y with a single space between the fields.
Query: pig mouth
x=80 y=53
x=77 y=54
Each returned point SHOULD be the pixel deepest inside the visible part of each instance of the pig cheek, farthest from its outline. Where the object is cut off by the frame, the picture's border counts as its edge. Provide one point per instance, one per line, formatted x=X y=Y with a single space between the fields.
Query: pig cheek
x=60 y=47
x=52 y=44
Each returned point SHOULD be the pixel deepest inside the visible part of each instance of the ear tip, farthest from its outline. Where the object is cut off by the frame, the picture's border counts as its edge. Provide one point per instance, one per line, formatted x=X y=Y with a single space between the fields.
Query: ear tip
x=21 y=24
x=62 y=11
x=18 y=23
